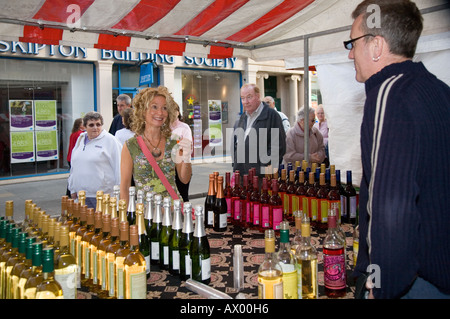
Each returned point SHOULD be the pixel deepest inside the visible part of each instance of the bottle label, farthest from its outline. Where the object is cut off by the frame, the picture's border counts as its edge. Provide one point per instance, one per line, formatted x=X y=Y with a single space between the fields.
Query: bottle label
x=176 y=259
x=138 y=285
x=155 y=250
x=334 y=271
x=67 y=279
x=165 y=255
x=248 y=210
x=237 y=209
x=277 y=217
x=270 y=289
x=111 y=281
x=255 y=209
x=228 y=206
x=353 y=207
x=119 y=278
x=94 y=264
x=293 y=203
x=222 y=220
x=312 y=203
x=86 y=264
x=323 y=211
x=265 y=213
x=210 y=217
x=206 y=268
x=289 y=281
x=188 y=264
x=286 y=201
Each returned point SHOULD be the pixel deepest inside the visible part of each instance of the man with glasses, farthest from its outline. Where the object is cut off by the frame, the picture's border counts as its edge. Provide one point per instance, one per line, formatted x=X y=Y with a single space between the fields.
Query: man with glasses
x=404 y=219
x=259 y=139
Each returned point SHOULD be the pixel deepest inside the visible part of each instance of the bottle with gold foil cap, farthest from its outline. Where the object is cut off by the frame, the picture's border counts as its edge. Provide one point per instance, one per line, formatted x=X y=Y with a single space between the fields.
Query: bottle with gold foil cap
x=113 y=207
x=105 y=204
x=85 y=253
x=121 y=254
x=27 y=220
x=99 y=201
x=144 y=243
x=65 y=266
x=93 y=253
x=101 y=253
x=123 y=210
x=110 y=259
x=74 y=227
x=82 y=197
x=9 y=210
x=135 y=269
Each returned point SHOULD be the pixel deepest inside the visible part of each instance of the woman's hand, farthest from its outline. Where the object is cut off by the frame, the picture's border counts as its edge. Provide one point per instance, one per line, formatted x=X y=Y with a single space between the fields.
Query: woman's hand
x=184 y=151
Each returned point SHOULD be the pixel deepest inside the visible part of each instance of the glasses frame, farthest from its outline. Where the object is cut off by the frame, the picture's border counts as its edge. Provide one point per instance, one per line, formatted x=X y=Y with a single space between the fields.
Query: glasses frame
x=349 y=43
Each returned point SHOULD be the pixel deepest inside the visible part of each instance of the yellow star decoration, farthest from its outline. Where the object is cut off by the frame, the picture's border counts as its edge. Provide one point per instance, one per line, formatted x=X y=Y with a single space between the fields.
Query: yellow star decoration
x=190 y=100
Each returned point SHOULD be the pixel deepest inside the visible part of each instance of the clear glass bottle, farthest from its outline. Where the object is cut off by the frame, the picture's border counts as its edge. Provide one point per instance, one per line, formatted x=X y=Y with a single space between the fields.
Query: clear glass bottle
x=111 y=257
x=306 y=255
x=48 y=288
x=120 y=256
x=135 y=269
x=174 y=239
x=287 y=261
x=270 y=272
x=200 y=250
x=34 y=277
x=155 y=231
x=17 y=256
x=144 y=243
x=101 y=252
x=66 y=266
x=94 y=263
x=77 y=244
x=25 y=263
x=166 y=230
x=297 y=239
x=85 y=252
x=185 y=242
x=74 y=227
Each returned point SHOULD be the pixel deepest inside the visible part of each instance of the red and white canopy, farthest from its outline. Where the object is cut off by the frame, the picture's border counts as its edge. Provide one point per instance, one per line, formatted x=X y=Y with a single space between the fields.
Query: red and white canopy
x=261 y=30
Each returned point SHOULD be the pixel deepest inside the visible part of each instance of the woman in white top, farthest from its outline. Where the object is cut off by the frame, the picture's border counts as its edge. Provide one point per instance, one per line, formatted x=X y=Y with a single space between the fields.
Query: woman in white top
x=125 y=133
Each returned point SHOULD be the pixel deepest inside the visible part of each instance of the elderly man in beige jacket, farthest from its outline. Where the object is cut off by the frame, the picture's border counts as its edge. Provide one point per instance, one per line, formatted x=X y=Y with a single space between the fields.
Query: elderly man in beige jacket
x=295 y=140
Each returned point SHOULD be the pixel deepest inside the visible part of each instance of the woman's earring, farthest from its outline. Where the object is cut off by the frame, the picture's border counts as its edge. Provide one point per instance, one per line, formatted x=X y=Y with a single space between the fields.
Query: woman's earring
x=376 y=59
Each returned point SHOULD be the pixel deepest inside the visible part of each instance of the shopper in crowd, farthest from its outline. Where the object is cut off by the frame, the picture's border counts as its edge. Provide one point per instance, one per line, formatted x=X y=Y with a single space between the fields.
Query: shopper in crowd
x=123 y=102
x=295 y=145
x=125 y=133
x=284 y=119
x=95 y=162
x=77 y=129
x=404 y=220
x=155 y=111
x=181 y=130
x=259 y=139
x=321 y=124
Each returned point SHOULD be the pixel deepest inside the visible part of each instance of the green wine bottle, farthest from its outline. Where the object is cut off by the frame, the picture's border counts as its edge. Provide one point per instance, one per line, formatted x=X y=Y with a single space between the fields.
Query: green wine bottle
x=155 y=231
x=174 y=239
x=166 y=230
x=185 y=242
x=201 y=262
x=144 y=244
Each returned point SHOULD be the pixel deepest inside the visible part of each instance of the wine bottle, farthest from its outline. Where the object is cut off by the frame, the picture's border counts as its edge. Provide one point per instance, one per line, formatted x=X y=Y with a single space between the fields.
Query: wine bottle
x=110 y=259
x=74 y=227
x=66 y=266
x=270 y=272
x=209 y=203
x=287 y=262
x=106 y=204
x=255 y=205
x=322 y=203
x=120 y=256
x=12 y=232
x=236 y=199
x=264 y=207
x=85 y=253
x=175 y=237
x=16 y=257
x=350 y=195
x=140 y=196
x=166 y=230
x=311 y=193
x=291 y=205
x=148 y=213
x=155 y=231
x=282 y=191
x=185 y=242
x=49 y=288
x=297 y=239
x=355 y=244
x=220 y=208
x=22 y=270
x=228 y=194
x=199 y=250
x=276 y=208
x=334 y=198
x=105 y=241
x=135 y=266
x=144 y=243
x=94 y=263
x=26 y=222
x=99 y=201
x=67 y=215
x=306 y=256
x=123 y=210
x=300 y=193
x=35 y=276
x=24 y=263
x=244 y=198
x=116 y=195
x=82 y=198
x=131 y=210
x=57 y=238
x=341 y=194
x=334 y=260
x=79 y=235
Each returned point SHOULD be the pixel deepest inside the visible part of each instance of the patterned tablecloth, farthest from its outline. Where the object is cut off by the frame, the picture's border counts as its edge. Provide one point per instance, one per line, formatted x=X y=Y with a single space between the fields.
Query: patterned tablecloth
x=163 y=285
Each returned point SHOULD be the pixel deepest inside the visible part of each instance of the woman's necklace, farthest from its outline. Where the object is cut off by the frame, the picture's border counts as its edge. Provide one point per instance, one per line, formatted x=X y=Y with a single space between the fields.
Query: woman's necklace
x=156 y=152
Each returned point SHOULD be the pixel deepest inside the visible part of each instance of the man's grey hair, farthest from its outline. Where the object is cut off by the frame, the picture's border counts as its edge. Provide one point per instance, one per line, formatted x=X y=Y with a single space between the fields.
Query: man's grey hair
x=301 y=113
x=125 y=98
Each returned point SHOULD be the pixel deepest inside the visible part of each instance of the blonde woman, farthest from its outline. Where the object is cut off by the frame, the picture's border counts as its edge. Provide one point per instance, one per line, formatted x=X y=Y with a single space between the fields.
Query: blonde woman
x=154 y=112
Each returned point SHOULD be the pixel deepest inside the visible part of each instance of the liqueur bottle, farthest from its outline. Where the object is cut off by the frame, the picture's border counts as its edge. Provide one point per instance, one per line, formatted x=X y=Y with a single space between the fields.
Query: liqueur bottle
x=334 y=260
x=111 y=250
x=12 y=247
x=144 y=243
x=220 y=208
x=341 y=194
x=276 y=208
x=322 y=203
x=48 y=288
x=24 y=270
x=282 y=191
x=33 y=278
x=228 y=193
x=120 y=256
x=79 y=235
x=209 y=203
x=24 y=263
x=17 y=256
x=94 y=261
x=306 y=256
x=244 y=199
x=187 y=234
x=264 y=207
x=311 y=194
x=200 y=251
x=297 y=239
x=74 y=227
x=236 y=199
x=300 y=193
x=287 y=262
x=166 y=230
x=85 y=253
x=105 y=241
x=131 y=210
x=175 y=237
x=255 y=205
x=155 y=231
x=350 y=196
x=291 y=205
x=66 y=266
x=135 y=268
x=270 y=272
x=334 y=198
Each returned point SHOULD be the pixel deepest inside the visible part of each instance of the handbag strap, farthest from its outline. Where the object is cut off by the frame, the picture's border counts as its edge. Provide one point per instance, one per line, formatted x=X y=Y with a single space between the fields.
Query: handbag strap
x=156 y=167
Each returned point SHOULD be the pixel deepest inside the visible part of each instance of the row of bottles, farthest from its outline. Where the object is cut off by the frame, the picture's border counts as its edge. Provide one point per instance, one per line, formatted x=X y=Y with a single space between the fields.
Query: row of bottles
x=291 y=273
x=264 y=203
